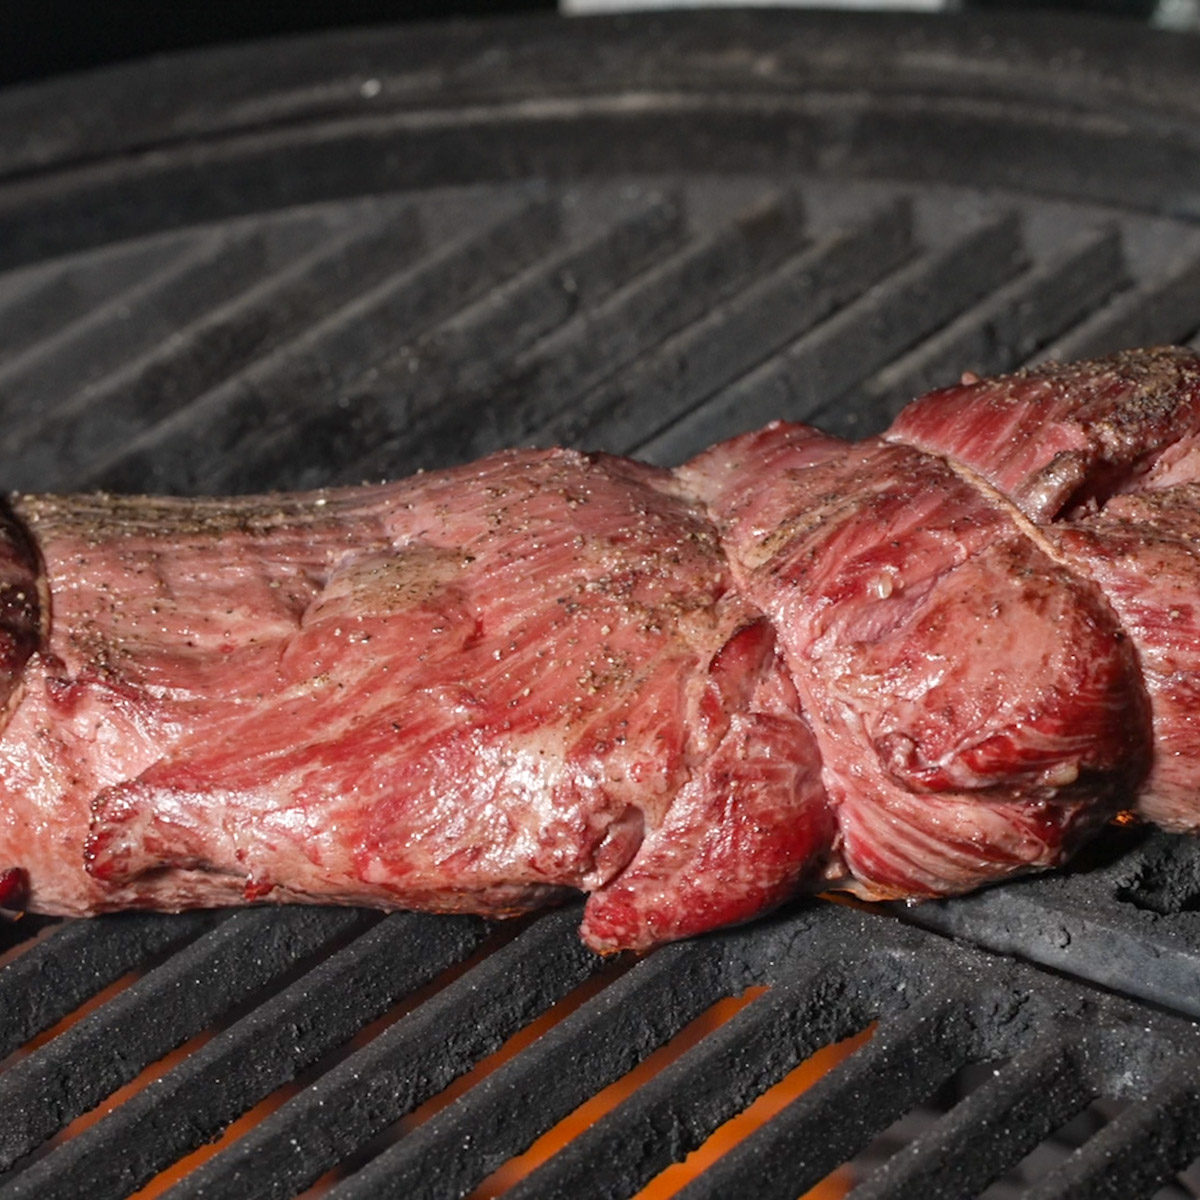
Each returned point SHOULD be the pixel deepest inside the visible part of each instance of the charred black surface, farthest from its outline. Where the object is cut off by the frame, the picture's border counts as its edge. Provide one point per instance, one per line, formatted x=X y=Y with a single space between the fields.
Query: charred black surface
x=1127 y=916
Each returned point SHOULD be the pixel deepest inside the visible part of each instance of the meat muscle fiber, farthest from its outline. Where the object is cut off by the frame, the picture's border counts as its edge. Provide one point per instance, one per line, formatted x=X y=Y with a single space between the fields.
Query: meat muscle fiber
x=473 y=690
x=904 y=667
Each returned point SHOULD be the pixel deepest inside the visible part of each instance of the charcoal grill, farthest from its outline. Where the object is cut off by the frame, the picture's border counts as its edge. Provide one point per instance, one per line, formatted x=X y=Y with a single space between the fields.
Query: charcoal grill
x=316 y=261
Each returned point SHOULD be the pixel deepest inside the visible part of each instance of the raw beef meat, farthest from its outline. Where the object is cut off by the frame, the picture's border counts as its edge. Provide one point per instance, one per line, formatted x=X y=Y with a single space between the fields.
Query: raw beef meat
x=1104 y=457
x=976 y=707
x=1144 y=552
x=1062 y=435
x=470 y=690
x=904 y=667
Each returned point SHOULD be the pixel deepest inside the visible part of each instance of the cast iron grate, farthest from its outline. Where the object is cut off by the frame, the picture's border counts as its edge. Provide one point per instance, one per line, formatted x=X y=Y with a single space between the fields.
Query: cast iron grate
x=829 y=973
x=330 y=260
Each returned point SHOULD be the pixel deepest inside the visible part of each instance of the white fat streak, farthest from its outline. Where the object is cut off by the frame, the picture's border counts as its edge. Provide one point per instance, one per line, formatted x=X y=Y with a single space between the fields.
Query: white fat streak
x=1031 y=530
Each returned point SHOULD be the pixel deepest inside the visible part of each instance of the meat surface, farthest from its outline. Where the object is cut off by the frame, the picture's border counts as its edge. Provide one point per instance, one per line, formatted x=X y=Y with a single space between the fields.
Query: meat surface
x=976 y=707
x=904 y=667
x=1104 y=458
x=470 y=690
x=1063 y=435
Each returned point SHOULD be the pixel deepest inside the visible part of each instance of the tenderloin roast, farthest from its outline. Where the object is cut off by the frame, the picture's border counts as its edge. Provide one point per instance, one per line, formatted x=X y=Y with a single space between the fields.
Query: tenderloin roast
x=904 y=667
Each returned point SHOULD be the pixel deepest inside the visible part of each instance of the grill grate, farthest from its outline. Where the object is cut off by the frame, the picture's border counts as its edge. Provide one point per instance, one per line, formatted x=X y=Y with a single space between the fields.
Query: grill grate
x=386 y=347
x=375 y=253
x=1132 y=923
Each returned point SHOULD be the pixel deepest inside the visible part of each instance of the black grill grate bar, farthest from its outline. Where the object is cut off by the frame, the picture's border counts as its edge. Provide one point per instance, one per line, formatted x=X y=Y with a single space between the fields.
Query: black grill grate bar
x=848 y=347
x=401 y=1067
x=506 y=1112
x=164 y=1008
x=76 y=960
x=98 y=423
x=1135 y=1153
x=35 y=383
x=279 y=390
x=992 y=1129
x=577 y=281
x=1000 y=332
x=1086 y=926
x=737 y=335
x=471 y=349
x=908 y=1057
x=673 y=1113
x=594 y=345
x=262 y=1051
x=984 y=1013
x=467 y=353
x=20 y=931
x=36 y=303
x=1157 y=311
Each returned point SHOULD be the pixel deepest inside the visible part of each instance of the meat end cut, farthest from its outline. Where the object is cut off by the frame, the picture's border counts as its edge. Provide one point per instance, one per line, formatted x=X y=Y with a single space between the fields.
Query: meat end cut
x=903 y=667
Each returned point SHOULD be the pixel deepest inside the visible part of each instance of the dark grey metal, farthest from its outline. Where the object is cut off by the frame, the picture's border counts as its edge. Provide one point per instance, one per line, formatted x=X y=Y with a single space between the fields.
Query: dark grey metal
x=832 y=972
x=639 y=234
x=265 y=1049
x=674 y=294
x=72 y=962
x=1160 y=311
x=724 y=1073
x=173 y=1002
x=402 y=1067
x=97 y=419
x=36 y=306
x=735 y=336
x=595 y=1045
x=1131 y=924
x=1083 y=109
x=329 y=350
x=472 y=352
x=815 y=372
x=1000 y=332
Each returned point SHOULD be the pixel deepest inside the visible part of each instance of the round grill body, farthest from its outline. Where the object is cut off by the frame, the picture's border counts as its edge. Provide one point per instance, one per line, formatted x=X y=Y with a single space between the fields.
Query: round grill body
x=320 y=260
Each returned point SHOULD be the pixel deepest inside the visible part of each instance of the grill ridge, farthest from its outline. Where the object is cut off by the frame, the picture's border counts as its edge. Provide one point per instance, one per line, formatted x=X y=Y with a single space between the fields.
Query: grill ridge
x=349 y=336
x=37 y=304
x=1002 y=331
x=162 y=1010
x=504 y=1113
x=135 y=319
x=98 y=419
x=467 y=354
x=737 y=334
x=636 y=319
x=79 y=958
x=1035 y=1093
x=1163 y=310
x=406 y=1064
x=923 y=1046
x=263 y=1050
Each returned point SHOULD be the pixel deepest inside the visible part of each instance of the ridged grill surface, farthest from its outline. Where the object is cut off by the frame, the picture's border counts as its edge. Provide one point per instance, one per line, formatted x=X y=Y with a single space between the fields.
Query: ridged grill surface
x=236 y=282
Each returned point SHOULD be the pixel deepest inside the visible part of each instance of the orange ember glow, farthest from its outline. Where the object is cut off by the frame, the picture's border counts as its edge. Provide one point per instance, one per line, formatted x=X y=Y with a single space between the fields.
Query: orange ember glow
x=722 y=1139
x=666 y=1184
